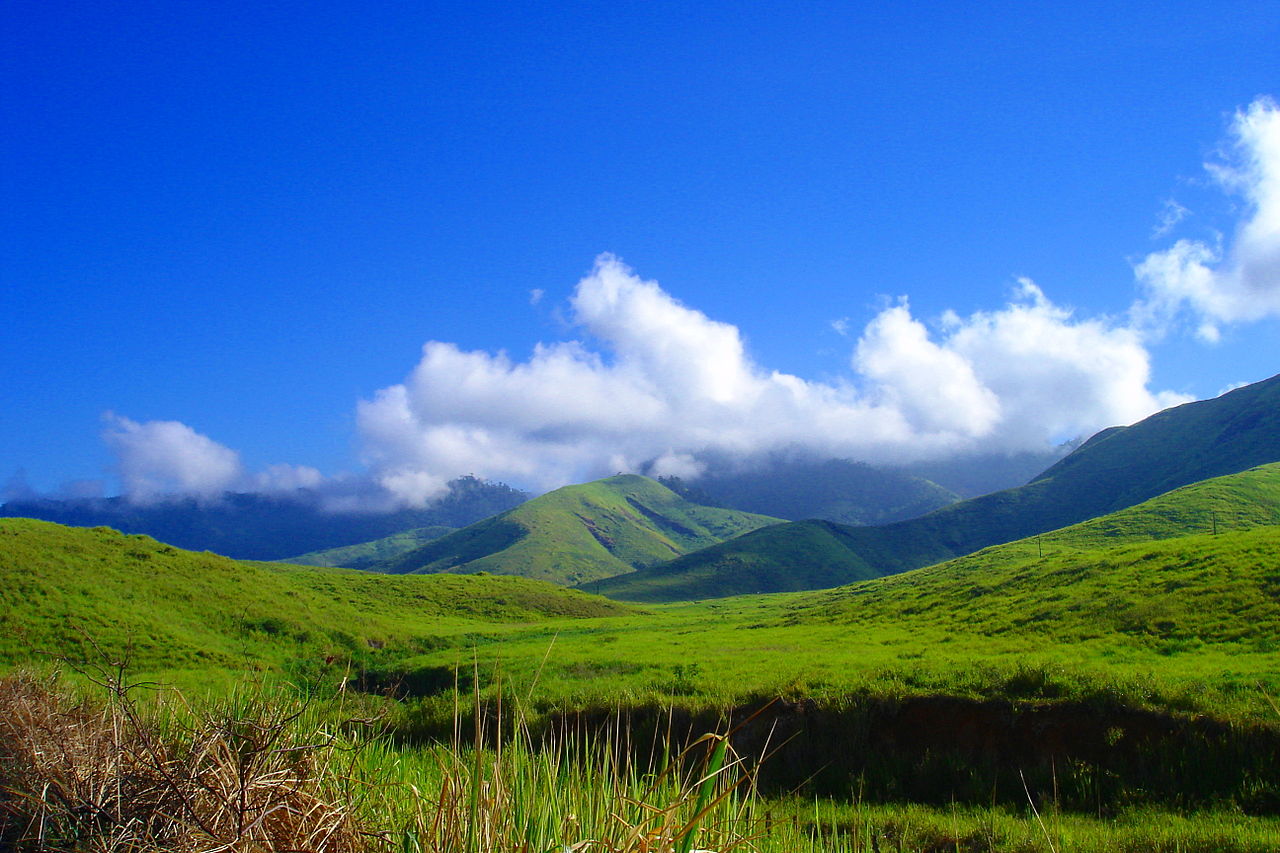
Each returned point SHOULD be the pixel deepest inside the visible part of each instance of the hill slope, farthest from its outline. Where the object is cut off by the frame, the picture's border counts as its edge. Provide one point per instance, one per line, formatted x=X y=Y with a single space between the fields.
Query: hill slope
x=365 y=554
x=582 y=533
x=1203 y=588
x=1117 y=468
x=61 y=587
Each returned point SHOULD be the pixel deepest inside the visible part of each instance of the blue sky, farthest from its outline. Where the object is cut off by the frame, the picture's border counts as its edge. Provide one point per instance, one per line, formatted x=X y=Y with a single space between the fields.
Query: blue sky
x=229 y=229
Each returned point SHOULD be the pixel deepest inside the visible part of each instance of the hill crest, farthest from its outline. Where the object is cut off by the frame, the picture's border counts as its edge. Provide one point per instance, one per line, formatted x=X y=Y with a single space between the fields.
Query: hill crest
x=578 y=534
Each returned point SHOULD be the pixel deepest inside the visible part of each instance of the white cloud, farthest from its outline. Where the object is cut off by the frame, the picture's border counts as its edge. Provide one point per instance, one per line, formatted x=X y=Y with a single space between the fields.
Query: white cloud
x=1170 y=215
x=1214 y=285
x=1056 y=377
x=657 y=385
x=285 y=478
x=931 y=386
x=655 y=381
x=155 y=458
x=167 y=456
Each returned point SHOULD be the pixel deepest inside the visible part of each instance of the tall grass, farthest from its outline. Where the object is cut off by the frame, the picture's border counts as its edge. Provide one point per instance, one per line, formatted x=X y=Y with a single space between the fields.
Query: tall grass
x=269 y=770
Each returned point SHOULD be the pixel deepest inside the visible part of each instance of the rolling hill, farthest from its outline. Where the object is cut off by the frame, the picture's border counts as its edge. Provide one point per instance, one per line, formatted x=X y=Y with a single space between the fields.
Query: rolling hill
x=1115 y=469
x=1196 y=589
x=581 y=533
x=65 y=589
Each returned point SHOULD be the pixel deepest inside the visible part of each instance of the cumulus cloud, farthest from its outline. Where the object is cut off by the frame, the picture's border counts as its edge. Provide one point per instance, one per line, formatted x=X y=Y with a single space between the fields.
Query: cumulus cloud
x=656 y=385
x=1232 y=280
x=155 y=458
x=651 y=384
x=167 y=456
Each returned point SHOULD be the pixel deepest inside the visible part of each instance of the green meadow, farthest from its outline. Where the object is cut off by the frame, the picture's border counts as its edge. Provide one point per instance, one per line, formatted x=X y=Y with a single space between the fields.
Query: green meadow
x=1109 y=685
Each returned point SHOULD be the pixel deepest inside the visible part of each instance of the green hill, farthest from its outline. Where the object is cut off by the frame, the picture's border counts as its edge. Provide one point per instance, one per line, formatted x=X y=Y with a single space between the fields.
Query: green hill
x=1189 y=623
x=581 y=533
x=63 y=589
x=365 y=554
x=1175 y=594
x=1115 y=469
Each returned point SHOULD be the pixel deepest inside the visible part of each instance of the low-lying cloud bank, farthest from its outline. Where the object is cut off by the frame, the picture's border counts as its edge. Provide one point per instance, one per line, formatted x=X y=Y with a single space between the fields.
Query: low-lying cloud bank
x=156 y=458
x=652 y=384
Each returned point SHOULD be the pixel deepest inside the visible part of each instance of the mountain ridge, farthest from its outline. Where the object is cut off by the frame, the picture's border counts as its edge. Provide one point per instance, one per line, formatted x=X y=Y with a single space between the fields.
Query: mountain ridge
x=578 y=534
x=1118 y=467
x=258 y=526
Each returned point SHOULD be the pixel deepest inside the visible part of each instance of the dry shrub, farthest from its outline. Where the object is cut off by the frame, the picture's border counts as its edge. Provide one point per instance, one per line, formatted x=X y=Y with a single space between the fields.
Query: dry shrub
x=78 y=775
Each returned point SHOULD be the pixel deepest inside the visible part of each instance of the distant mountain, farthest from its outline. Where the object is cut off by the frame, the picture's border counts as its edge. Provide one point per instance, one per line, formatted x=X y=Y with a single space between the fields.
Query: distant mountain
x=835 y=489
x=1117 y=468
x=582 y=533
x=974 y=476
x=820 y=554
x=269 y=526
x=365 y=554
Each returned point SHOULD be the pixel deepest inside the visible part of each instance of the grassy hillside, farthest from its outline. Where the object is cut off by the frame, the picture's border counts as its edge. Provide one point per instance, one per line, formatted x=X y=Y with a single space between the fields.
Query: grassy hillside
x=581 y=533
x=1171 y=595
x=813 y=555
x=1106 y=676
x=365 y=554
x=1188 y=624
x=168 y=609
x=1115 y=469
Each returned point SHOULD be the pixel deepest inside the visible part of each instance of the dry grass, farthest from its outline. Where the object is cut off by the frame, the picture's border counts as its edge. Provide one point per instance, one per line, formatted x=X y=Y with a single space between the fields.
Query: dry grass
x=84 y=776
x=261 y=775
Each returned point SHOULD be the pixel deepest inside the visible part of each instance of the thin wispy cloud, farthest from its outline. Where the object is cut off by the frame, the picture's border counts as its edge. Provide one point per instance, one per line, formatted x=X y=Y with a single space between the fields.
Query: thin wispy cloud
x=1170 y=216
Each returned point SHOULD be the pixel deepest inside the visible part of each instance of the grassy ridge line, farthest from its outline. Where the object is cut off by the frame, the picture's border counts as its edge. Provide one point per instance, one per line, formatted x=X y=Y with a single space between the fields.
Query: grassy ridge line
x=1115 y=469
x=365 y=554
x=816 y=554
x=1118 y=597
x=582 y=533
x=1001 y=608
x=183 y=610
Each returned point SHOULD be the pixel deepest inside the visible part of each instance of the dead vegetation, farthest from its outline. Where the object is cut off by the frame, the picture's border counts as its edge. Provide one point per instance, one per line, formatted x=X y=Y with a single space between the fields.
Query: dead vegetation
x=100 y=776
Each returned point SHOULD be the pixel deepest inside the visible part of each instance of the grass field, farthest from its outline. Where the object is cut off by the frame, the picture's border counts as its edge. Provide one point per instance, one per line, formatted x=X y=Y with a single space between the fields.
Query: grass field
x=264 y=769
x=1115 y=676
